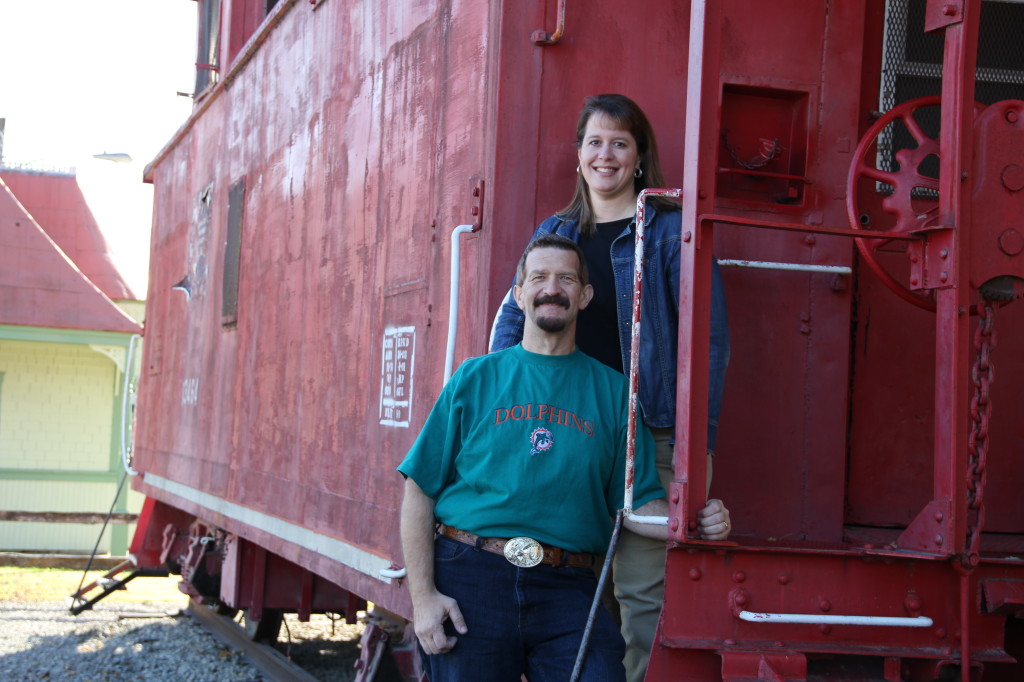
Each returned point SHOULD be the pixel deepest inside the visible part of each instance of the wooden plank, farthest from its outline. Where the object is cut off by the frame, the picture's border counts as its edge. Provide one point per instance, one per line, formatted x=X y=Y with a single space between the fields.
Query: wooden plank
x=67 y=517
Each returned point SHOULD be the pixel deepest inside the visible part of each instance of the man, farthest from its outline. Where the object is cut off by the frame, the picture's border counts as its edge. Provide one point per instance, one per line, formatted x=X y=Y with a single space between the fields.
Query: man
x=525 y=444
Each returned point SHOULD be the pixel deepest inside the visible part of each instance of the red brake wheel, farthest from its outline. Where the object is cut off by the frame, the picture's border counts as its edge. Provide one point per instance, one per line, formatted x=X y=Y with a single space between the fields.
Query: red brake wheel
x=904 y=210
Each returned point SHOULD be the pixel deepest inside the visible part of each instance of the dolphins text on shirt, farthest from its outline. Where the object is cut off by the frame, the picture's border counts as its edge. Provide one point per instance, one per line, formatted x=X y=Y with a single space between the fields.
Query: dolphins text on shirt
x=547 y=412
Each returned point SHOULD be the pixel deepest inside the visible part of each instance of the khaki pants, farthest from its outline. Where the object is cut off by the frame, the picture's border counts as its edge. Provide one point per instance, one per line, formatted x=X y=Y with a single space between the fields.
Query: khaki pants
x=639 y=576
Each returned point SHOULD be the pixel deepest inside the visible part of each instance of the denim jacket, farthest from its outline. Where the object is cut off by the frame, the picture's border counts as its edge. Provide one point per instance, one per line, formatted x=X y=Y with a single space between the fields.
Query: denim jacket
x=660 y=315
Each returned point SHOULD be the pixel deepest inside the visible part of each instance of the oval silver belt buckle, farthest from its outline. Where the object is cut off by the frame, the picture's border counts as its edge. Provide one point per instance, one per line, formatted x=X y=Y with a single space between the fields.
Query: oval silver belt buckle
x=524 y=552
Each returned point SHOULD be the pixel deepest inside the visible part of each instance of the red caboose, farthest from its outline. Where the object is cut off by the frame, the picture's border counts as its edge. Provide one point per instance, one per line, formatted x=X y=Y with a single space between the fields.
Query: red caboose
x=306 y=262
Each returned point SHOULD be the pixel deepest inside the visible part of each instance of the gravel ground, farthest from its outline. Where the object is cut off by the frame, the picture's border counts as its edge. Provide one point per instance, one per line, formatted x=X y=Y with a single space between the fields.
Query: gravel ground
x=152 y=641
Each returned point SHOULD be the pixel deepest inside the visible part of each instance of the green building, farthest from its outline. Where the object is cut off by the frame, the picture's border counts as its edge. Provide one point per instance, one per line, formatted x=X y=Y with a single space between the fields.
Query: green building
x=68 y=323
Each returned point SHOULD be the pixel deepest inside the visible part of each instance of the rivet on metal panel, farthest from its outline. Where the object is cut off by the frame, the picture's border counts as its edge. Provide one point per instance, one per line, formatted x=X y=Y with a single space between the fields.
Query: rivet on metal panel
x=943 y=276
x=824 y=629
x=913 y=604
x=739 y=576
x=784 y=578
x=675 y=497
x=805 y=329
x=914 y=258
x=701 y=194
x=1013 y=177
x=810 y=240
x=939 y=516
x=825 y=605
x=695 y=574
x=949 y=10
x=938 y=539
x=675 y=524
x=944 y=253
x=913 y=281
x=838 y=283
x=1011 y=242
x=1012 y=116
x=940 y=633
x=687 y=236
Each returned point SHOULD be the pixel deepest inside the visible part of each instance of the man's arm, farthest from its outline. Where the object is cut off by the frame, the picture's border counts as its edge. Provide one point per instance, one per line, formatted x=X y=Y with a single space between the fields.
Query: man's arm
x=713 y=520
x=430 y=608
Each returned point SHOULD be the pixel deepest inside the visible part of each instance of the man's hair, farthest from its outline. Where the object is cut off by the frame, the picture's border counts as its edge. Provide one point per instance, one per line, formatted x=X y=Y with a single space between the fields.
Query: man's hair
x=553 y=241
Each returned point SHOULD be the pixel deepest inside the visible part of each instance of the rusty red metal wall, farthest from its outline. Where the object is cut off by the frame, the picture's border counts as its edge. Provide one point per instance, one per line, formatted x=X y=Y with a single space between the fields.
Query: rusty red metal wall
x=355 y=128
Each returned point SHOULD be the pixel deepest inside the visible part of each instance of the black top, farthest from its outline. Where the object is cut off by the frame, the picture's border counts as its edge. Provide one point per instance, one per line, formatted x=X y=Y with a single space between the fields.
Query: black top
x=597 y=332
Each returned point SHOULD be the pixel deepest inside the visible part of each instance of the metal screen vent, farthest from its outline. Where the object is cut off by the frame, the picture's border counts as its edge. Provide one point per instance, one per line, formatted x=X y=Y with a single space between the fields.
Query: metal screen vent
x=912 y=68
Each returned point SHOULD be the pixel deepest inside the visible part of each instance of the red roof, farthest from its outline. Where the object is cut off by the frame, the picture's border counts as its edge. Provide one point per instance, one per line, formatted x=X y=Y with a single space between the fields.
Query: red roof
x=40 y=286
x=58 y=206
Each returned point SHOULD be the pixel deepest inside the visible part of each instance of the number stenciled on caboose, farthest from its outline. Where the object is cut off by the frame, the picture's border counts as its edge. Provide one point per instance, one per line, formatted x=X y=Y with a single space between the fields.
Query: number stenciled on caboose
x=190 y=391
x=396 y=376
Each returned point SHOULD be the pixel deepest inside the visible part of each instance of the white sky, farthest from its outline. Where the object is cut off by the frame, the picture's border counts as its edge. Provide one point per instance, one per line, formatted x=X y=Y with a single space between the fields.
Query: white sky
x=83 y=77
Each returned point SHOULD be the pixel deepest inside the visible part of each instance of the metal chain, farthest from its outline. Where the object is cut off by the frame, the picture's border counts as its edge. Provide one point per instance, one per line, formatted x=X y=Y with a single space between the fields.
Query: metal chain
x=982 y=375
x=770 y=150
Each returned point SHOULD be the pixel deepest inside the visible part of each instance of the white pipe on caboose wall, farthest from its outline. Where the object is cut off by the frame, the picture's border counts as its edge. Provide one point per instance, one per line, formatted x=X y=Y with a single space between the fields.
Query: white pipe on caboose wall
x=822 y=619
x=126 y=424
x=796 y=267
x=453 y=301
x=449 y=352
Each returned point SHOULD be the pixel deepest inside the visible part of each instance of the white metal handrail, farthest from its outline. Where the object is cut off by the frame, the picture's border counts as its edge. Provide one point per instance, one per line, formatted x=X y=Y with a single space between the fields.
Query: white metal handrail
x=126 y=396
x=453 y=328
x=634 y=358
x=453 y=301
x=824 y=619
x=794 y=267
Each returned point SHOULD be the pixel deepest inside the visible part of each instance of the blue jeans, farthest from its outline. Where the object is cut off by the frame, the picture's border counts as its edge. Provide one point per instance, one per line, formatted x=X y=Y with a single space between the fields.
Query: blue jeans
x=521 y=621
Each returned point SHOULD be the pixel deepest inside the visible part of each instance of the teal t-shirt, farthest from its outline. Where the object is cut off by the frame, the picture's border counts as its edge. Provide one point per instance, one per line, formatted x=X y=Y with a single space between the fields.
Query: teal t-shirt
x=520 y=443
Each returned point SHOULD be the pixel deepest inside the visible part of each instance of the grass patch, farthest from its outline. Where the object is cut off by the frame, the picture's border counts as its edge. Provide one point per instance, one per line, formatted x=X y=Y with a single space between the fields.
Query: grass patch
x=56 y=584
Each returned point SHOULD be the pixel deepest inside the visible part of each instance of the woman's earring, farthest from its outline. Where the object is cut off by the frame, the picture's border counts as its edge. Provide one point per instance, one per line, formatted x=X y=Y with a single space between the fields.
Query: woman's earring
x=577 y=168
x=638 y=173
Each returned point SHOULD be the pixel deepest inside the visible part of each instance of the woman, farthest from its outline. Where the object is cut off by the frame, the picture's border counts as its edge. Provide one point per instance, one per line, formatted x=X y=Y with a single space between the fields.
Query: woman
x=618 y=157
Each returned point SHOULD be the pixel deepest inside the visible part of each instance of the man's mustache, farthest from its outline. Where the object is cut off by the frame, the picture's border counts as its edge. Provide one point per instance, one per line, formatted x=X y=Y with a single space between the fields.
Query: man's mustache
x=557 y=299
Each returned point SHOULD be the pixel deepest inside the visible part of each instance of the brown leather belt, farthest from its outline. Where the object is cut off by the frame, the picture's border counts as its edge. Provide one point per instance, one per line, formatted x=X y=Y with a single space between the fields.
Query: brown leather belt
x=552 y=556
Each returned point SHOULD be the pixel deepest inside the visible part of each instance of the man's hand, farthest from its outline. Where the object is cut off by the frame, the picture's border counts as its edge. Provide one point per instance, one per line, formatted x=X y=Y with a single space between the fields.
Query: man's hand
x=713 y=521
x=430 y=608
x=429 y=615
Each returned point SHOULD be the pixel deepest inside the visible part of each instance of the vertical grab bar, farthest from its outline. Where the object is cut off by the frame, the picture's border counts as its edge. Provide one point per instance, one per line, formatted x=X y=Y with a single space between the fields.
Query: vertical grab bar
x=453 y=300
x=634 y=355
x=129 y=365
x=542 y=37
x=398 y=572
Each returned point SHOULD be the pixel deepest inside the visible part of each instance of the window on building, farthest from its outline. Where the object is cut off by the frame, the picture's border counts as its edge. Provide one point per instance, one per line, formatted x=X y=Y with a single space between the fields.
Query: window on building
x=232 y=254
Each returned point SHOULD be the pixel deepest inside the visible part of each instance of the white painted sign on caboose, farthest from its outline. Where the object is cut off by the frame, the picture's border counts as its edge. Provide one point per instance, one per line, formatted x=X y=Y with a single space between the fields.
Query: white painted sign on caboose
x=396 y=375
